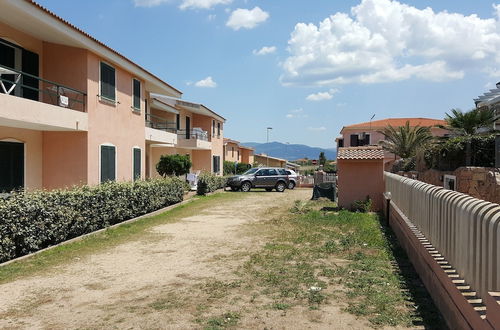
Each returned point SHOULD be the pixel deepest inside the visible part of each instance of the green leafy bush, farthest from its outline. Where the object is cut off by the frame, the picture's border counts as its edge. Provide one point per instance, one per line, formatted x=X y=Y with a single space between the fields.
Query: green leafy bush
x=362 y=206
x=208 y=182
x=35 y=220
x=405 y=165
x=173 y=165
x=450 y=154
x=230 y=169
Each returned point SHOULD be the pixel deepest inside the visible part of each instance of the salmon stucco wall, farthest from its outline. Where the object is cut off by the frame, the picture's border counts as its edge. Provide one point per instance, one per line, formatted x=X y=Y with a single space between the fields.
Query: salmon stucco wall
x=358 y=179
x=33 y=142
x=232 y=152
x=64 y=159
x=217 y=142
x=114 y=124
x=247 y=156
x=202 y=160
x=155 y=153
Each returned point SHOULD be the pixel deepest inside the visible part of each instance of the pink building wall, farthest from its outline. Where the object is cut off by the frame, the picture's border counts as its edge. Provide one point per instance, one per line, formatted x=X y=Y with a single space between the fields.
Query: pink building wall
x=358 y=179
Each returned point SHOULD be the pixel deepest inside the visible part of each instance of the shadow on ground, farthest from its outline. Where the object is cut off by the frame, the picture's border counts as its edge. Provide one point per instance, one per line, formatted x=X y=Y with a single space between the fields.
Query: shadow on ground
x=426 y=310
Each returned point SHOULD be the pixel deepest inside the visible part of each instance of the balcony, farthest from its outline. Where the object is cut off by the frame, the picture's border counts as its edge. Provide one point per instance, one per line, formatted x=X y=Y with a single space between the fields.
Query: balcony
x=195 y=138
x=31 y=102
x=160 y=131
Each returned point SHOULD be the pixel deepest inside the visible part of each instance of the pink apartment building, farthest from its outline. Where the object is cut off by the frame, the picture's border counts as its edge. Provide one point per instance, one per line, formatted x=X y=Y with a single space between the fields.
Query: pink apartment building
x=235 y=152
x=74 y=111
x=365 y=134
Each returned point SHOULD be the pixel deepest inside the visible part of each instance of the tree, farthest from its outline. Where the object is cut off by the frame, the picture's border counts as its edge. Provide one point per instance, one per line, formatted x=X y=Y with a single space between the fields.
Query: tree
x=322 y=158
x=173 y=165
x=469 y=122
x=405 y=140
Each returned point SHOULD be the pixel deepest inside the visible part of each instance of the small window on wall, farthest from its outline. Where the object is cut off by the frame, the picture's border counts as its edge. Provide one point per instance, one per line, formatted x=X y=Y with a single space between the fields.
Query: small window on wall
x=137 y=163
x=136 y=94
x=178 y=121
x=218 y=129
x=341 y=143
x=108 y=163
x=216 y=164
x=108 y=82
x=213 y=127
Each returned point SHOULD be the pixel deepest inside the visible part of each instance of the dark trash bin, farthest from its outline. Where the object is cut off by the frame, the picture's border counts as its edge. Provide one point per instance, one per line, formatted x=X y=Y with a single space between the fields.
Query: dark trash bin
x=326 y=190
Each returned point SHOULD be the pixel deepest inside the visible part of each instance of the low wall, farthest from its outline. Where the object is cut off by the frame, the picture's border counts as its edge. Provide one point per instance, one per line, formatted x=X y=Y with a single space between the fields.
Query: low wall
x=478 y=182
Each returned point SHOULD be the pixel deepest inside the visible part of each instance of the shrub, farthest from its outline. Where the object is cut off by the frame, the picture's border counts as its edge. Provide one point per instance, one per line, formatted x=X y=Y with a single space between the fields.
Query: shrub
x=405 y=165
x=208 y=182
x=362 y=206
x=173 y=165
x=230 y=168
x=35 y=220
x=450 y=154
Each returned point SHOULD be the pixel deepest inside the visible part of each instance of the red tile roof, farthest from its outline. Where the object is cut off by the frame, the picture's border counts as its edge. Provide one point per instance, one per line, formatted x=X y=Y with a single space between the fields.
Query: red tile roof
x=32 y=2
x=396 y=122
x=372 y=152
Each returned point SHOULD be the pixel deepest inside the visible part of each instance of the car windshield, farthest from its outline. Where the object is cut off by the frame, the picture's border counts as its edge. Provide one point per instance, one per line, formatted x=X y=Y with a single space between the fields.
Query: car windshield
x=251 y=171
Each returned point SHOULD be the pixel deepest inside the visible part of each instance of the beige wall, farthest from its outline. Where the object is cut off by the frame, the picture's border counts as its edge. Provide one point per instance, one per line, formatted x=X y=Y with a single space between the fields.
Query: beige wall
x=64 y=159
x=247 y=156
x=154 y=154
x=231 y=152
x=358 y=179
x=33 y=145
x=262 y=160
x=116 y=124
x=202 y=160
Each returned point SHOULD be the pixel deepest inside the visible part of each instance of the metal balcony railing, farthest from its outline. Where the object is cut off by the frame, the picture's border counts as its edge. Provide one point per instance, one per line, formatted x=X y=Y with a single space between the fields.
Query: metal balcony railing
x=28 y=86
x=160 y=123
x=197 y=134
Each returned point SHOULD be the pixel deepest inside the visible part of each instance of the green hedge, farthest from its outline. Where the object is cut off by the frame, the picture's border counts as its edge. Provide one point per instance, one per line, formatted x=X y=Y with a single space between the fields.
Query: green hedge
x=208 y=182
x=240 y=168
x=450 y=154
x=35 y=220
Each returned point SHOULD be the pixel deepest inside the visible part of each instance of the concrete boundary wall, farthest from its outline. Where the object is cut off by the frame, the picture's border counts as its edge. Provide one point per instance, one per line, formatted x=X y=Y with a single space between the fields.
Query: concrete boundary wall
x=465 y=230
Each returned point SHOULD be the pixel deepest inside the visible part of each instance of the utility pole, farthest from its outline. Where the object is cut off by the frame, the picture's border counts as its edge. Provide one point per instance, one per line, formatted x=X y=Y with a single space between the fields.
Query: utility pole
x=267 y=157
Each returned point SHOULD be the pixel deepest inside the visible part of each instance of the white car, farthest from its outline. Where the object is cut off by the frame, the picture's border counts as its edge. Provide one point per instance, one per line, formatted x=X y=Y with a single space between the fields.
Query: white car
x=292 y=178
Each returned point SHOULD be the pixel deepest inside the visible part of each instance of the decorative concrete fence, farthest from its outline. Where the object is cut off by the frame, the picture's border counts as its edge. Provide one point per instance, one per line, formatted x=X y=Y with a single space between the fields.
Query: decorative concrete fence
x=465 y=230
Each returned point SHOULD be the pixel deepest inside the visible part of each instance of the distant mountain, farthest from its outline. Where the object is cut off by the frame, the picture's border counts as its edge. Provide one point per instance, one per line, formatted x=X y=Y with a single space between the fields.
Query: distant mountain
x=290 y=151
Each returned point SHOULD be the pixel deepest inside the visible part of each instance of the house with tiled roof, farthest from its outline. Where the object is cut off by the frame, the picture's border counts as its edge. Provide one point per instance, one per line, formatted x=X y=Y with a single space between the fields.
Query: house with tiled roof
x=75 y=111
x=368 y=133
x=236 y=152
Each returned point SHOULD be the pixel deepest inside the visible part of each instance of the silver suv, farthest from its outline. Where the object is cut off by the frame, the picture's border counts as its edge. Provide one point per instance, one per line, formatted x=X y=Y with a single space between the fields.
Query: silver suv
x=260 y=177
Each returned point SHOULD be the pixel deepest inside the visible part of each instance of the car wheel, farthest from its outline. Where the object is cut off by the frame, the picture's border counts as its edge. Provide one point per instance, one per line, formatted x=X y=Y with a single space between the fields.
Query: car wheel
x=280 y=187
x=269 y=189
x=246 y=186
x=291 y=185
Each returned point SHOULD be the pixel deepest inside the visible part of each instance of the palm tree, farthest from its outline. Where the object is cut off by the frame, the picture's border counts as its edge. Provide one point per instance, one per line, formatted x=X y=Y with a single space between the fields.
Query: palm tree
x=404 y=141
x=469 y=122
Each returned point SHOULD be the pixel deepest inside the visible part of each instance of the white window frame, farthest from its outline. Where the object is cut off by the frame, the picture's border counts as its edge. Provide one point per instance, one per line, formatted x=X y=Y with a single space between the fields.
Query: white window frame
x=104 y=98
x=107 y=144
x=133 y=149
x=140 y=95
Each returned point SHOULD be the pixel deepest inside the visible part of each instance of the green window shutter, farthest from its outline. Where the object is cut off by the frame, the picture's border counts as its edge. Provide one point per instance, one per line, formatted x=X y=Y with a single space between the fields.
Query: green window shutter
x=137 y=164
x=108 y=163
x=108 y=82
x=137 y=94
x=11 y=166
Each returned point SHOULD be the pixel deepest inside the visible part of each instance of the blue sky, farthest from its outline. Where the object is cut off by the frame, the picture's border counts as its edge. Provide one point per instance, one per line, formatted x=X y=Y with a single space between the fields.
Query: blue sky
x=327 y=63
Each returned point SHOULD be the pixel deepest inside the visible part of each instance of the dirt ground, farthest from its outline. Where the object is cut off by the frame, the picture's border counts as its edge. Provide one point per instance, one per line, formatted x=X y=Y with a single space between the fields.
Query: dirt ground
x=174 y=281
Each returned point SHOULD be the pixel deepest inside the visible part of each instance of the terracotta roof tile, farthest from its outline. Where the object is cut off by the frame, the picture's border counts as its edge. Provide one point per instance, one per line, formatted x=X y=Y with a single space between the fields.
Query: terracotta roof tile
x=361 y=153
x=378 y=124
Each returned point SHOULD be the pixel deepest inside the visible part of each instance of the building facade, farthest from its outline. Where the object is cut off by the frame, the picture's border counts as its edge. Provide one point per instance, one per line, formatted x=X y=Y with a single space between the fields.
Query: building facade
x=74 y=111
x=235 y=152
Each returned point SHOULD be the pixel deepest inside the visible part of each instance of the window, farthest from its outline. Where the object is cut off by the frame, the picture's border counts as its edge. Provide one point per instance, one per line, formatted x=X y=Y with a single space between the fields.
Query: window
x=11 y=166
x=136 y=163
x=272 y=171
x=136 y=94
x=366 y=141
x=108 y=163
x=232 y=151
x=354 y=140
x=238 y=154
x=213 y=127
x=216 y=161
x=218 y=129
x=340 y=143
x=108 y=82
x=178 y=121
x=282 y=171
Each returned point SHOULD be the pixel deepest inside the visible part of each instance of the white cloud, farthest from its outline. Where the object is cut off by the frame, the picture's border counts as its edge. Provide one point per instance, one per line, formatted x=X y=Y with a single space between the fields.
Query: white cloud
x=248 y=19
x=149 y=3
x=211 y=17
x=184 y=4
x=265 y=50
x=322 y=96
x=208 y=82
x=317 y=129
x=202 y=4
x=385 y=40
x=297 y=113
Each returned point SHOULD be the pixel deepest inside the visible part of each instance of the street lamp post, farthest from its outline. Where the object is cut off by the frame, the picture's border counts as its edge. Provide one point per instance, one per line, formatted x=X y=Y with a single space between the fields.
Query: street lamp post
x=267 y=157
